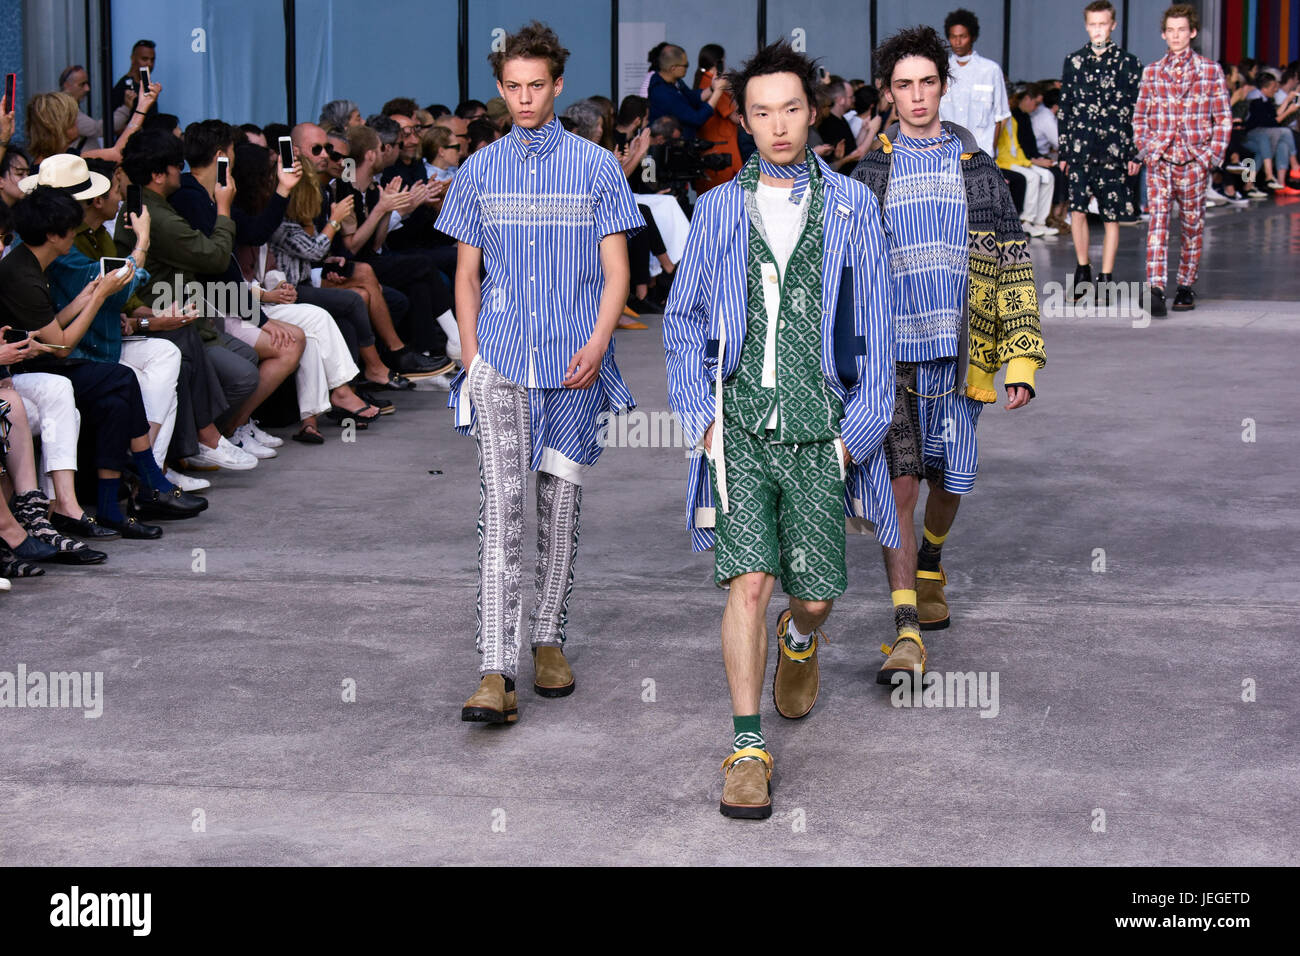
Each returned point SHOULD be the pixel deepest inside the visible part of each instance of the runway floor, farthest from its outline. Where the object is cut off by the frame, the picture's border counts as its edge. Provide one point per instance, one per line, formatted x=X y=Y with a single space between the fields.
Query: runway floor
x=1126 y=566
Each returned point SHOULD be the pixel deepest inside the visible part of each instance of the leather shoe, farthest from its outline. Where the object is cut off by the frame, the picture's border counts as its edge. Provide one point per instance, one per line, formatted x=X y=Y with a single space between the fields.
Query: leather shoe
x=931 y=605
x=552 y=676
x=747 y=792
x=132 y=528
x=798 y=675
x=491 y=703
x=167 y=505
x=83 y=527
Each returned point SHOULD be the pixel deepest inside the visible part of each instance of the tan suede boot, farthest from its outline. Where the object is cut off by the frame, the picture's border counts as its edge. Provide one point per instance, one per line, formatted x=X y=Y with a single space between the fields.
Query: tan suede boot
x=931 y=606
x=491 y=703
x=798 y=675
x=747 y=792
x=552 y=676
x=906 y=654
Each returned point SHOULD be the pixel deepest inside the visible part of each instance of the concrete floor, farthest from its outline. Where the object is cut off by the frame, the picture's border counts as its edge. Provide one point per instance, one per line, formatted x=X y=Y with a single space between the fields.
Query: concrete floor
x=1120 y=691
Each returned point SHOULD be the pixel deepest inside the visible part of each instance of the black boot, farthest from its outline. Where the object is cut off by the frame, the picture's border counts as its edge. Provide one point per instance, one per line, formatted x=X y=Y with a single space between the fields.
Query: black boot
x=1158 y=310
x=1104 y=288
x=1185 y=300
x=1082 y=277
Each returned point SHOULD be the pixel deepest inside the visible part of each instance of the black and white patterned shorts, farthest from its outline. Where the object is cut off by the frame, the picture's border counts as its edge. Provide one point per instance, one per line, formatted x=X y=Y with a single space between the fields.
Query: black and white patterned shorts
x=903 y=440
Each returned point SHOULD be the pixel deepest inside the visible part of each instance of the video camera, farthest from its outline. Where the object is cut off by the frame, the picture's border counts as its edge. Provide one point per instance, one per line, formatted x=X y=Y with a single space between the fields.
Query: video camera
x=675 y=164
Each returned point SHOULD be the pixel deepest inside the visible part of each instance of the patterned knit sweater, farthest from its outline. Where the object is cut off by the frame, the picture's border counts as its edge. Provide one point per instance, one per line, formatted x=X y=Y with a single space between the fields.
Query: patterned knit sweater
x=1002 y=302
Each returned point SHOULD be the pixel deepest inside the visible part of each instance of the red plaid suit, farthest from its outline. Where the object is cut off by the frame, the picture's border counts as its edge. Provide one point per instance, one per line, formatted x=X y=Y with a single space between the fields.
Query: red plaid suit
x=1181 y=125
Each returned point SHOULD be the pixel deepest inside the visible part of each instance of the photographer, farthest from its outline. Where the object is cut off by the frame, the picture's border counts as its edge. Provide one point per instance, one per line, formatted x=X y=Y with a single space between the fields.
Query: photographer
x=670 y=96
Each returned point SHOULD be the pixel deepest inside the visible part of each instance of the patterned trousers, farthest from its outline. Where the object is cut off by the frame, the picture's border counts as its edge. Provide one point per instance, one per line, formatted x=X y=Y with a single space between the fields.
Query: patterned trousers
x=504 y=442
x=1185 y=184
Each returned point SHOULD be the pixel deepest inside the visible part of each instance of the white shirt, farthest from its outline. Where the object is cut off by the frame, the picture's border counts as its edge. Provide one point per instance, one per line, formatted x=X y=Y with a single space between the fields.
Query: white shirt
x=1046 y=131
x=855 y=122
x=976 y=98
x=781 y=226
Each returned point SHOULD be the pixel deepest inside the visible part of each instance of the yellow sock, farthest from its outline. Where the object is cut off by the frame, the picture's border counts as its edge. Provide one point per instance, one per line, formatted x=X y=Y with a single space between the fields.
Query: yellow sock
x=935 y=539
x=905 y=616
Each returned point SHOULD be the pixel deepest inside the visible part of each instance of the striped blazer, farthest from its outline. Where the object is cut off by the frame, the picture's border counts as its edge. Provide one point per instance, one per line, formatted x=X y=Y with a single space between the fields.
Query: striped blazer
x=704 y=331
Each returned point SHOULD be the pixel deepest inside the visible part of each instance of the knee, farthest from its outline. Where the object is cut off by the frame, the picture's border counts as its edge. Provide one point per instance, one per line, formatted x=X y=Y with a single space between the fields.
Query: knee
x=817 y=610
x=751 y=591
x=906 y=492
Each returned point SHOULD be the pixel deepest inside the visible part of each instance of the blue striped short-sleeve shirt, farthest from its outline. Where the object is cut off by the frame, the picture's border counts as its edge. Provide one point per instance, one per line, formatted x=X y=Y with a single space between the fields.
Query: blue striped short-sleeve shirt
x=538 y=203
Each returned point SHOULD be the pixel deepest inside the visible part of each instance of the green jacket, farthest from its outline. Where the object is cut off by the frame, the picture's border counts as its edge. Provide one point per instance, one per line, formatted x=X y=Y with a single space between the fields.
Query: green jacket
x=178 y=252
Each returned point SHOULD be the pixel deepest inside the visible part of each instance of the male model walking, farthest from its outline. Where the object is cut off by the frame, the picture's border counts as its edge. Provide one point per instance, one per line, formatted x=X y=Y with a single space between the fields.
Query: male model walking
x=1181 y=126
x=778 y=342
x=977 y=96
x=544 y=212
x=966 y=305
x=1099 y=87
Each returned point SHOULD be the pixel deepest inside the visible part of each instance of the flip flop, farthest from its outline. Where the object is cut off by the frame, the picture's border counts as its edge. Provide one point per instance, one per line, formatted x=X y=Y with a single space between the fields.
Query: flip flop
x=309 y=435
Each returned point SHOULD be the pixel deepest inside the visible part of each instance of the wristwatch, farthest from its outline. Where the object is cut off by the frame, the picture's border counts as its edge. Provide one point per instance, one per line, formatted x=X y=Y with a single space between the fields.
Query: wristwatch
x=336 y=224
x=143 y=324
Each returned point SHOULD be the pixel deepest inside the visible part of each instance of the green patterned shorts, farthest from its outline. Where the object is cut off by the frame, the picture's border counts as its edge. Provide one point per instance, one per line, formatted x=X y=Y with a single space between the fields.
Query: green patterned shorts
x=786 y=517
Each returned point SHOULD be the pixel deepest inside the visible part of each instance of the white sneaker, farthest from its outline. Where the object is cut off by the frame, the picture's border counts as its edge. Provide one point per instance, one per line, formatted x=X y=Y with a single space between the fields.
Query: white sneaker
x=4 y=584
x=1032 y=230
x=264 y=438
x=225 y=455
x=1255 y=193
x=185 y=482
x=1213 y=197
x=1237 y=200
x=243 y=439
x=1048 y=230
x=440 y=382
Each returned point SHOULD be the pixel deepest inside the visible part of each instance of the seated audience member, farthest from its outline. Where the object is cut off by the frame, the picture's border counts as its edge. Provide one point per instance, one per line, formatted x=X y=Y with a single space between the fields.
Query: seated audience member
x=107 y=394
x=1038 y=180
x=441 y=155
x=75 y=81
x=326 y=368
x=340 y=113
x=356 y=302
x=481 y=132
x=18 y=483
x=273 y=132
x=459 y=129
x=155 y=362
x=1267 y=137
x=52 y=126
x=1025 y=99
x=670 y=96
x=169 y=123
x=180 y=252
x=865 y=118
x=250 y=133
x=498 y=114
x=430 y=321
x=14 y=168
x=471 y=110
x=1047 y=133
x=438 y=110
x=279 y=345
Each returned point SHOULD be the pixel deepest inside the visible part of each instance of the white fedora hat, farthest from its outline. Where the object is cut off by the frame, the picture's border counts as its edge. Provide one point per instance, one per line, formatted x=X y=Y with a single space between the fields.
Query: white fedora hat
x=70 y=174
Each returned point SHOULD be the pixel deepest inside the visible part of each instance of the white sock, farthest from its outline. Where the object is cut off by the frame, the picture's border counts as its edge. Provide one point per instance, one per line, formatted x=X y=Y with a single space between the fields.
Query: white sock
x=794 y=640
x=448 y=323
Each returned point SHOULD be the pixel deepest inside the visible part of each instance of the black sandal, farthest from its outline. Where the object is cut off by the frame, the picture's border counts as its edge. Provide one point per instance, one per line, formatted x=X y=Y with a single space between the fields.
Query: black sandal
x=338 y=415
x=394 y=383
x=309 y=435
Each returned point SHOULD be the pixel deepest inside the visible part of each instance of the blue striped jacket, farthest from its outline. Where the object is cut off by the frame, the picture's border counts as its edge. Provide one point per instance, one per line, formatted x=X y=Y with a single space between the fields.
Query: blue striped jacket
x=705 y=322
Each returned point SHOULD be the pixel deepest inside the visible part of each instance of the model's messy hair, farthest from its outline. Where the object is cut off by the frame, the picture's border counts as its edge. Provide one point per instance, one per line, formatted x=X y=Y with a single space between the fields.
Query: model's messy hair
x=961 y=17
x=536 y=41
x=777 y=57
x=913 y=41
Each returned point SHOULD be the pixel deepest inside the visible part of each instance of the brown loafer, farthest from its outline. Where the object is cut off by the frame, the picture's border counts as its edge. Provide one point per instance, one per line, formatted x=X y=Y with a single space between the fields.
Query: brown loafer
x=552 y=676
x=906 y=654
x=931 y=606
x=747 y=792
x=798 y=676
x=491 y=703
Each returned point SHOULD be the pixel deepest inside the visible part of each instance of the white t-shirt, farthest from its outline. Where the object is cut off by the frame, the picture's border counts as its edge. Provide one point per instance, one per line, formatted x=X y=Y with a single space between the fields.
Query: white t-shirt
x=781 y=224
x=976 y=98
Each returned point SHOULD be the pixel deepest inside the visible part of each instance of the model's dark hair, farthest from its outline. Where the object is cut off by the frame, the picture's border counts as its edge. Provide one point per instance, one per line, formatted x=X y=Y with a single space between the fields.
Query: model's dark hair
x=1100 y=6
x=536 y=41
x=961 y=17
x=204 y=139
x=913 y=41
x=777 y=57
x=45 y=212
x=1181 y=11
x=151 y=151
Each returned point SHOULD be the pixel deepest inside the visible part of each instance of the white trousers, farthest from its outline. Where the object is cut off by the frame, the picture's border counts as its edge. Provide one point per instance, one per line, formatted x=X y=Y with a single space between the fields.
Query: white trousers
x=52 y=413
x=325 y=364
x=673 y=226
x=157 y=364
x=1038 y=193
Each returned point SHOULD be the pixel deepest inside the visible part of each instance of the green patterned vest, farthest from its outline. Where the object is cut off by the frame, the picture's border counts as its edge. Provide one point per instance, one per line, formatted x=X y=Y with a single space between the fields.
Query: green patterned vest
x=808 y=410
